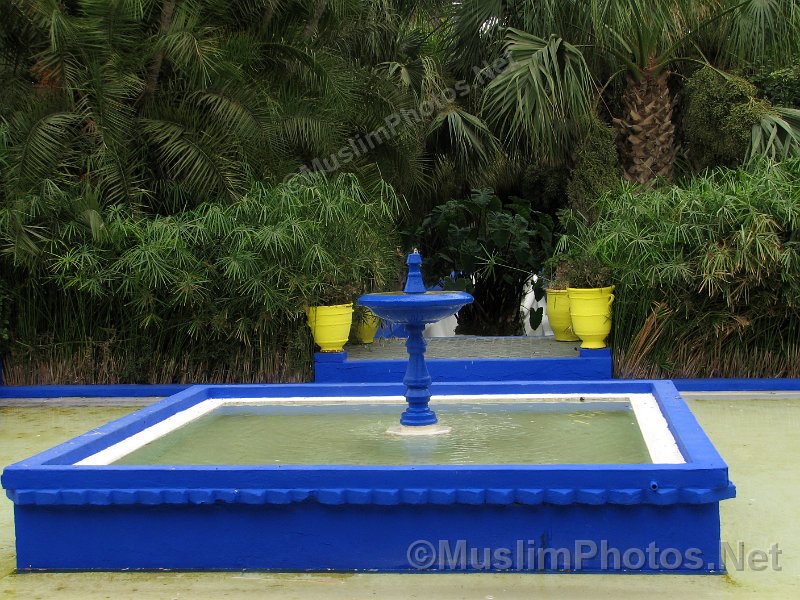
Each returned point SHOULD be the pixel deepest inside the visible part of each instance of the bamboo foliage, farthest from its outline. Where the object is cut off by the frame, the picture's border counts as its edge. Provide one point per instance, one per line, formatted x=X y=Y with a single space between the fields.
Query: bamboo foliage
x=214 y=292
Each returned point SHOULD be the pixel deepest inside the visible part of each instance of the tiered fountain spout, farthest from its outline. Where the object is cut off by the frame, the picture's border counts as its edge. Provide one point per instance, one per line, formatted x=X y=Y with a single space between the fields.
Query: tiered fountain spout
x=414 y=308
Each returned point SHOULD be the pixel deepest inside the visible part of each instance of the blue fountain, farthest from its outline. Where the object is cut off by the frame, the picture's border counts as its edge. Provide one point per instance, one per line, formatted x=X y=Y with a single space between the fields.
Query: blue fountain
x=414 y=308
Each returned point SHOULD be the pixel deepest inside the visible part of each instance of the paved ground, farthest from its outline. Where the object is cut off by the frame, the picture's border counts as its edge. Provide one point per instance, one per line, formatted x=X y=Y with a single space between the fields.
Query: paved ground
x=466 y=346
x=757 y=437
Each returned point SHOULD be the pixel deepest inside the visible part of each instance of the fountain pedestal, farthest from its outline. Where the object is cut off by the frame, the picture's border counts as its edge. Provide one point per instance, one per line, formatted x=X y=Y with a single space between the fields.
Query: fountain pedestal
x=418 y=418
x=417 y=380
x=415 y=307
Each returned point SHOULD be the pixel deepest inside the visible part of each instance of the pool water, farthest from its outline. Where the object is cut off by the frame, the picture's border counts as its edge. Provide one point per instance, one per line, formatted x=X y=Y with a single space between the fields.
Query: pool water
x=355 y=434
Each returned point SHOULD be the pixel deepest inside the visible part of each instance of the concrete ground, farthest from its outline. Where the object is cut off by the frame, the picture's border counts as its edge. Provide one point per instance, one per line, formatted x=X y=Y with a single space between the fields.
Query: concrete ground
x=757 y=437
x=465 y=346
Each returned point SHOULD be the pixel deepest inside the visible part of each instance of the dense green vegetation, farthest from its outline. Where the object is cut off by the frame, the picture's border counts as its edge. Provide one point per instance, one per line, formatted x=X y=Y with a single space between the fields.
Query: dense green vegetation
x=707 y=274
x=217 y=292
x=150 y=227
x=720 y=115
x=491 y=248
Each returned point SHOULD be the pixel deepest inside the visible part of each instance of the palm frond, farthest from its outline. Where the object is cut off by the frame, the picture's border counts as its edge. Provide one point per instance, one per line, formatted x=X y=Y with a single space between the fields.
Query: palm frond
x=191 y=157
x=43 y=149
x=471 y=142
x=776 y=136
x=543 y=97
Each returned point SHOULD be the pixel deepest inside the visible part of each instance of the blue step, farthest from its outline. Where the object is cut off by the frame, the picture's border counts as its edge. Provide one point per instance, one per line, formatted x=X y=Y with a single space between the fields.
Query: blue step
x=335 y=367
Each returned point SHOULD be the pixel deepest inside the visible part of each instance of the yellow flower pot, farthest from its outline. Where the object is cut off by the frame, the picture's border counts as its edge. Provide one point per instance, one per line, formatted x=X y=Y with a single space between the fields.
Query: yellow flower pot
x=367 y=327
x=330 y=325
x=590 y=309
x=558 y=315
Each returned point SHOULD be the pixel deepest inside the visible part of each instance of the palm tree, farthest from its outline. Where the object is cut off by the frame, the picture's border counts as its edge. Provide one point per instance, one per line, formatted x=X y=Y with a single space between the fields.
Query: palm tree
x=171 y=102
x=141 y=100
x=631 y=47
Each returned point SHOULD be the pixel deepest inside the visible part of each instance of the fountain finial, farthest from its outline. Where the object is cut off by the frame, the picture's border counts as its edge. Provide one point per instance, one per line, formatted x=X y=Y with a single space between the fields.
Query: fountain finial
x=414 y=283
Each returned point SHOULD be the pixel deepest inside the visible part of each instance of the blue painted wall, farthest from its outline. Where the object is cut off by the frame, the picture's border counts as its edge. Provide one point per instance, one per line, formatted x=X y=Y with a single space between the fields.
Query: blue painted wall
x=590 y=365
x=88 y=391
x=447 y=371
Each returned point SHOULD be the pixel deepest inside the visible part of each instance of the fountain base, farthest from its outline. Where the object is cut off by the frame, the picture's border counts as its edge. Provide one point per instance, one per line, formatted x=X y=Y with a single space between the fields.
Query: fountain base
x=419 y=430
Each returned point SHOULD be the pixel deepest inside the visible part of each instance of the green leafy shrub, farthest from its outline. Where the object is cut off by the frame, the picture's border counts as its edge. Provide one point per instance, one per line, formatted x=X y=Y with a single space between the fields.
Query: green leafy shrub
x=720 y=114
x=780 y=86
x=596 y=169
x=493 y=248
x=707 y=275
x=5 y=309
x=105 y=293
x=586 y=271
x=576 y=269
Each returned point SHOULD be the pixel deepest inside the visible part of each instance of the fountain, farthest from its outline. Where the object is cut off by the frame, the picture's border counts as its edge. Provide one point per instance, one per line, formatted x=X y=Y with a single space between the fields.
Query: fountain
x=415 y=308
x=339 y=494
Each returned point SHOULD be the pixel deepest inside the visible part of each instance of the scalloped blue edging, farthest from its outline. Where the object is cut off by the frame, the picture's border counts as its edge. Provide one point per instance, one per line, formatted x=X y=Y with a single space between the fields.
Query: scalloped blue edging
x=381 y=496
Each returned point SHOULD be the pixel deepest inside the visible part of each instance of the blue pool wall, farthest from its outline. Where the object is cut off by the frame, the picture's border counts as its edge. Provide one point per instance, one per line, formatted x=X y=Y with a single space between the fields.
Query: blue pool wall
x=329 y=517
x=91 y=391
x=328 y=535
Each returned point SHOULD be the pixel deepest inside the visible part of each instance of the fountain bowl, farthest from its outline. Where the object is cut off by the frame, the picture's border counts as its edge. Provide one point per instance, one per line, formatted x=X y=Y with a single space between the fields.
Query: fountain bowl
x=424 y=308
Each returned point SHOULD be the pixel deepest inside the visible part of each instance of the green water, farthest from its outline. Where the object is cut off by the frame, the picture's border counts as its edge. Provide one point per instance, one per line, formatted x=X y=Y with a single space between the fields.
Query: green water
x=355 y=434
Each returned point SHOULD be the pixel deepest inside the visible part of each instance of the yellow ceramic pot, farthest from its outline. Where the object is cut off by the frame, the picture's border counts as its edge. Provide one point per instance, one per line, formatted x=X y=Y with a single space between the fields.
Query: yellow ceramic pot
x=330 y=325
x=367 y=327
x=558 y=315
x=590 y=309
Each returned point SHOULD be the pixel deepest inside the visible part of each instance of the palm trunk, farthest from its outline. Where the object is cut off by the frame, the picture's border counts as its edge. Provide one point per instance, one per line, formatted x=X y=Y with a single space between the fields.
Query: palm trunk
x=646 y=133
x=167 y=10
